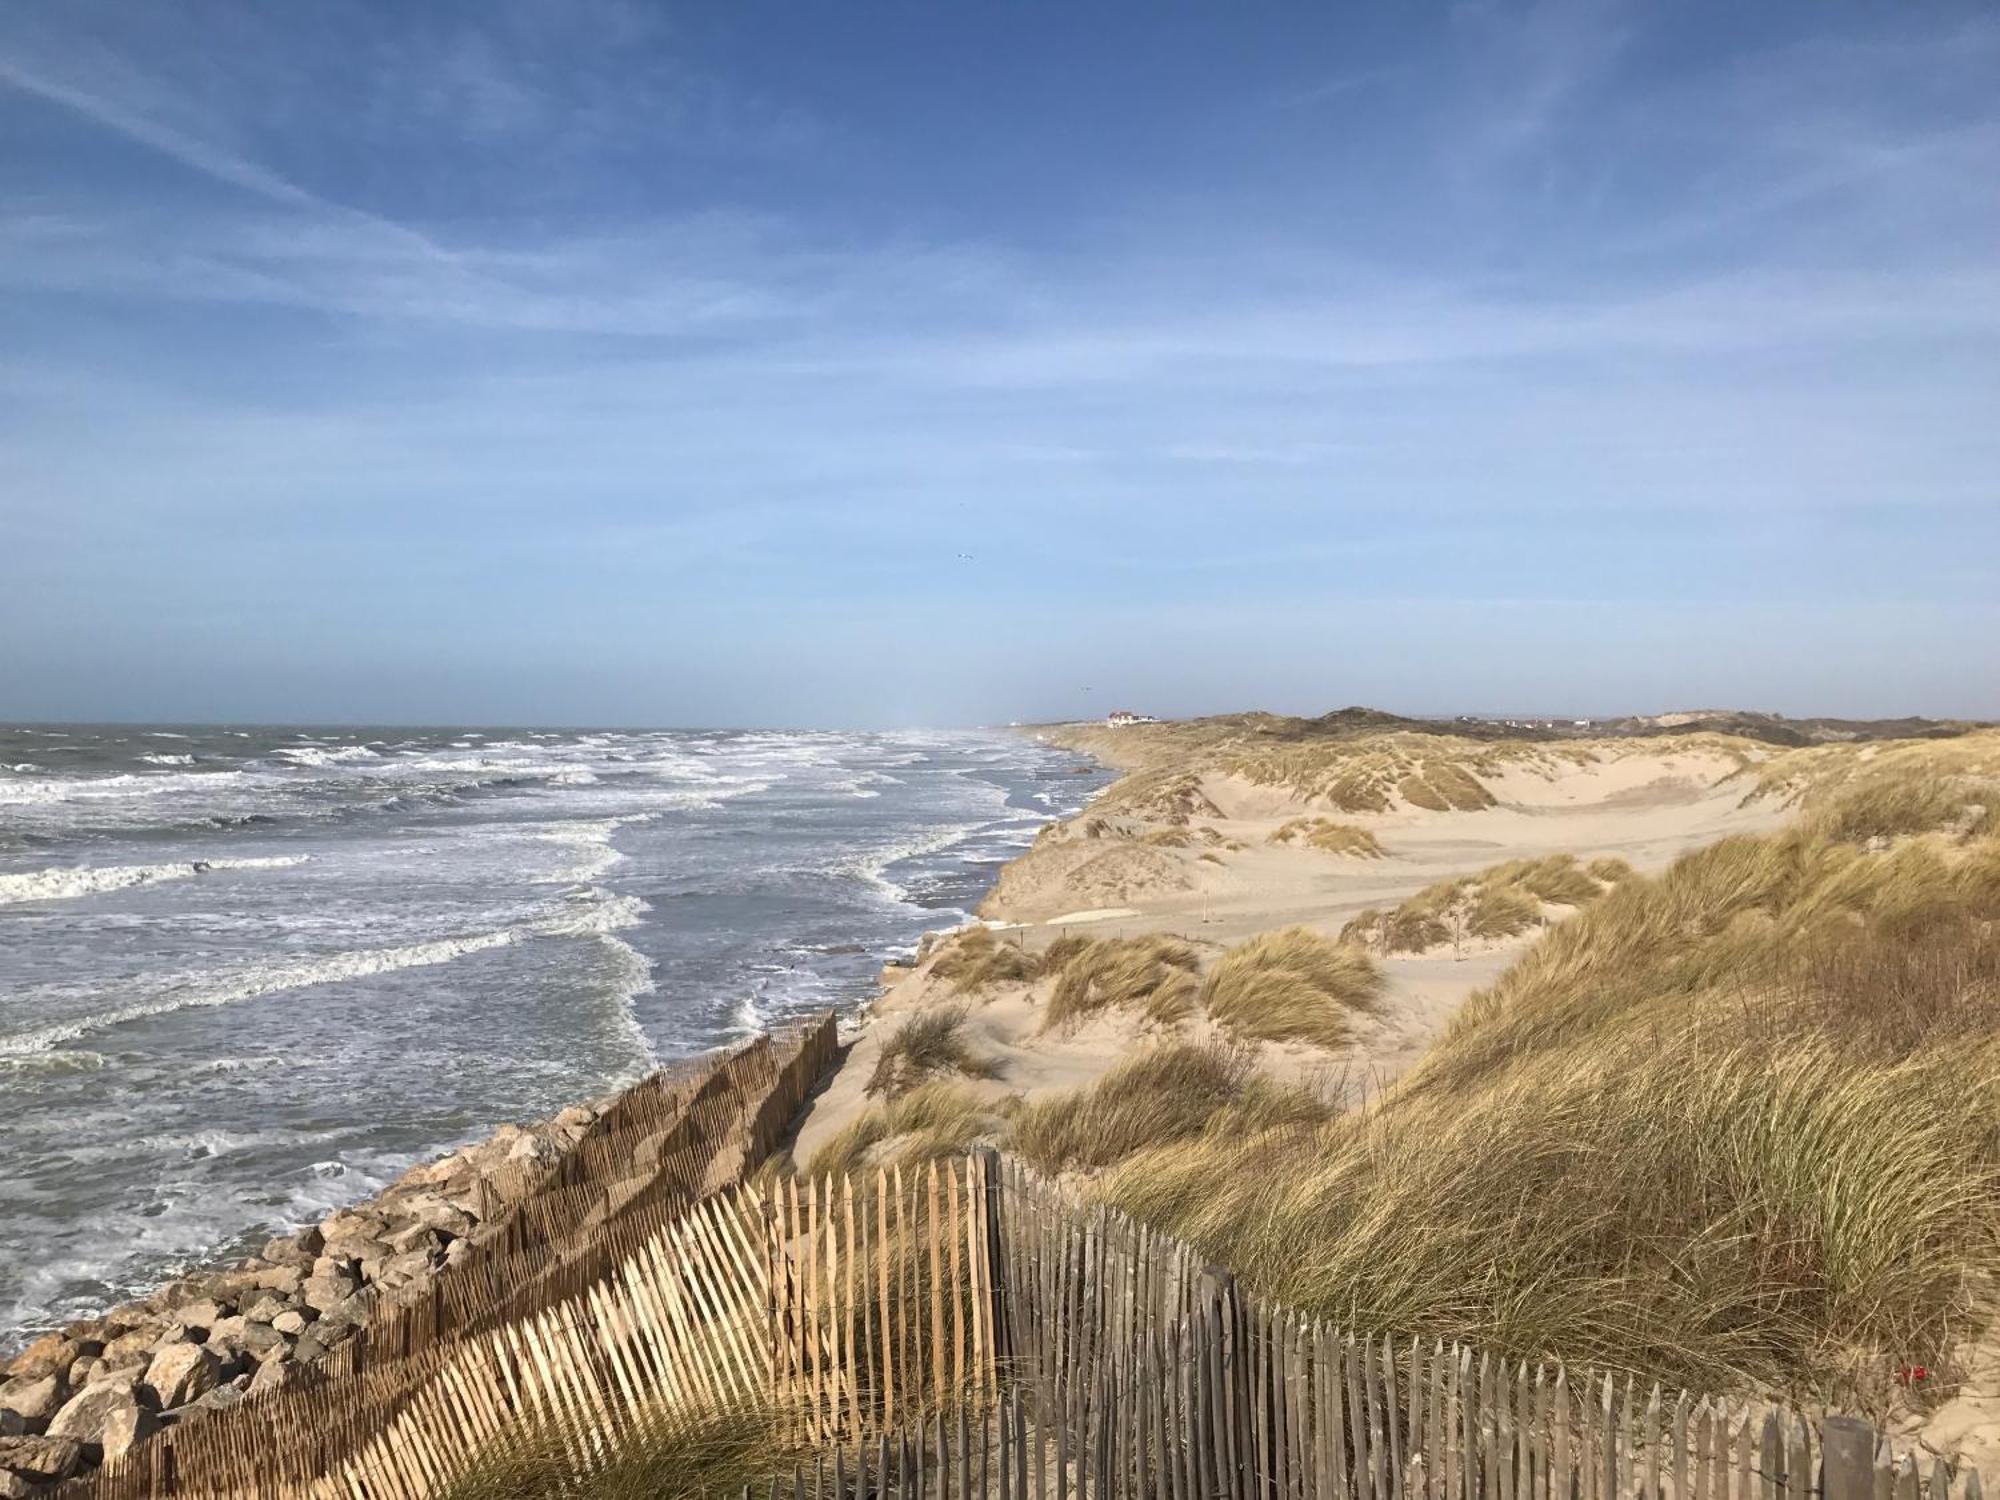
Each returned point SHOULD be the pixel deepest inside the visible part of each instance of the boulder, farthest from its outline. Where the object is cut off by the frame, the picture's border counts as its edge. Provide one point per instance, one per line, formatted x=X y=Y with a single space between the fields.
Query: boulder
x=180 y=1373
x=13 y=1486
x=40 y=1460
x=259 y=1339
x=107 y=1420
x=227 y=1330
x=292 y=1321
x=198 y=1316
x=51 y=1354
x=134 y=1347
x=81 y=1373
x=265 y=1308
x=285 y=1281
x=35 y=1401
x=328 y=1287
x=292 y=1251
x=274 y=1375
x=11 y=1424
x=400 y=1270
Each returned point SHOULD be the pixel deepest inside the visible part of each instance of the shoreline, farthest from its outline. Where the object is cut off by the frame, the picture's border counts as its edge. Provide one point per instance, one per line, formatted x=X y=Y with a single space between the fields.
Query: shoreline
x=236 y=1325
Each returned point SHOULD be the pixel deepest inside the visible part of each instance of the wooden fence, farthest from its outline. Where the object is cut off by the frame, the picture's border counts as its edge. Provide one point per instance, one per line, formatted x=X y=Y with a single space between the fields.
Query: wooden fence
x=963 y=1330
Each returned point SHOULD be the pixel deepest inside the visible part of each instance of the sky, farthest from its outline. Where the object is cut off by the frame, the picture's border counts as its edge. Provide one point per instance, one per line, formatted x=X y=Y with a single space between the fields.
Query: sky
x=607 y=362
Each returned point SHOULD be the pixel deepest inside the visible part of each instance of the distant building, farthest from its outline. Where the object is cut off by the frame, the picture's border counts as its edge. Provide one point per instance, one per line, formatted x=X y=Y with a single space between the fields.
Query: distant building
x=1118 y=718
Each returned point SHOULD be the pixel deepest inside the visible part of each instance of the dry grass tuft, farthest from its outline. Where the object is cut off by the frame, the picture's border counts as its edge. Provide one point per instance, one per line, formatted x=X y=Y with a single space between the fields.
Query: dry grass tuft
x=1497 y=903
x=977 y=958
x=1164 y=1094
x=1154 y=975
x=933 y=1121
x=670 y=1454
x=1331 y=837
x=1291 y=985
x=925 y=1045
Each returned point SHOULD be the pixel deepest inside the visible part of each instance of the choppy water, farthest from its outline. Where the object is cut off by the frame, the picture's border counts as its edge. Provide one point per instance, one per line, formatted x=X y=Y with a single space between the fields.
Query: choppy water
x=397 y=939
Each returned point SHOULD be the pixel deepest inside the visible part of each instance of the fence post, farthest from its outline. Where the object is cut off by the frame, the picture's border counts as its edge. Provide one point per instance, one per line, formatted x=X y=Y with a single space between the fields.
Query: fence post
x=1216 y=1296
x=1847 y=1454
x=999 y=1272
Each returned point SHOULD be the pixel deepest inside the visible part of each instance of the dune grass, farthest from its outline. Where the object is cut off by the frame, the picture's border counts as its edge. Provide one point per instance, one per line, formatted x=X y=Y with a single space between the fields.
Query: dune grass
x=697 y=1454
x=1329 y=837
x=1499 y=902
x=1163 y=1094
x=976 y=958
x=1153 y=975
x=1292 y=985
x=927 y=1044
x=932 y=1121
x=1734 y=1124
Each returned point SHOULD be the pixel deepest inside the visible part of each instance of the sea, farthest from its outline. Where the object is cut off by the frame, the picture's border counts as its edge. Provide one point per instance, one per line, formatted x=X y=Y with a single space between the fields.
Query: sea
x=248 y=975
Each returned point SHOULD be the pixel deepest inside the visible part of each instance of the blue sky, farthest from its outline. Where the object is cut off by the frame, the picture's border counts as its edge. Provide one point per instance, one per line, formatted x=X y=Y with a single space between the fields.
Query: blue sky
x=868 y=364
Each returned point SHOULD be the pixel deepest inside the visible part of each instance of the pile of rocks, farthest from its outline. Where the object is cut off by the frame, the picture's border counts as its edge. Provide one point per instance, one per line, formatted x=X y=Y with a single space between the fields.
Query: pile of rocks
x=87 y=1393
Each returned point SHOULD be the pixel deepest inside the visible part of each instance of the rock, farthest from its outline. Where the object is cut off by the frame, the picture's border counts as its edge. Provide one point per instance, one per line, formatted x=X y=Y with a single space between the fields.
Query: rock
x=11 y=1424
x=227 y=1330
x=224 y=1396
x=259 y=1339
x=330 y=1288
x=34 y=1400
x=285 y=1281
x=107 y=1419
x=292 y=1321
x=83 y=1370
x=13 y=1486
x=180 y=1373
x=50 y=1354
x=40 y=1460
x=133 y=1347
x=285 y=1252
x=265 y=1308
x=401 y=1270
x=199 y=1316
x=274 y=1375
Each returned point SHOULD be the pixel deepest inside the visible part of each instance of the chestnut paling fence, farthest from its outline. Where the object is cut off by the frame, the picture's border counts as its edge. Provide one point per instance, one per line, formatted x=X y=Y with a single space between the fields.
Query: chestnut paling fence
x=964 y=1329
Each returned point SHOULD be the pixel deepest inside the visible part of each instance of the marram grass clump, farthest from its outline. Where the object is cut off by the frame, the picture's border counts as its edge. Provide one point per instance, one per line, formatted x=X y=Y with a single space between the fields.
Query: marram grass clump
x=1501 y=902
x=668 y=1454
x=1292 y=985
x=1166 y=1093
x=976 y=958
x=1329 y=837
x=927 y=1044
x=1155 y=976
x=933 y=1121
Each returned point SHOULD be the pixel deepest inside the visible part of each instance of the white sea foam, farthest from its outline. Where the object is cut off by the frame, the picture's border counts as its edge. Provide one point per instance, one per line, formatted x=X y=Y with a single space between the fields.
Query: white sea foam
x=168 y=760
x=76 y=881
x=253 y=982
x=591 y=838
x=319 y=755
x=873 y=865
x=25 y=767
x=99 y=788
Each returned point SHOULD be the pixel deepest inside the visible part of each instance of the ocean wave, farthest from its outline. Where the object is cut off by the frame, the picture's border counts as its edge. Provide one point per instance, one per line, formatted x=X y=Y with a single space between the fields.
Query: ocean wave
x=254 y=982
x=320 y=755
x=73 y=882
x=96 y=788
x=873 y=866
x=24 y=767
x=168 y=760
x=591 y=838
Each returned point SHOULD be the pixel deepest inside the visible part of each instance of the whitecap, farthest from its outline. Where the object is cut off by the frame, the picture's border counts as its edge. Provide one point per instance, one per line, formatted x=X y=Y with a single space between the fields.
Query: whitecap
x=70 y=883
x=168 y=760
x=253 y=982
